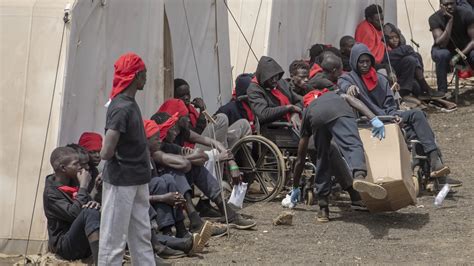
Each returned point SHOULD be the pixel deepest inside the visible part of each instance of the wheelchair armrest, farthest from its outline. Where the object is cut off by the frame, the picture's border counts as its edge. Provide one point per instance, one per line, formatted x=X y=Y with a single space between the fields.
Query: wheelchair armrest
x=279 y=124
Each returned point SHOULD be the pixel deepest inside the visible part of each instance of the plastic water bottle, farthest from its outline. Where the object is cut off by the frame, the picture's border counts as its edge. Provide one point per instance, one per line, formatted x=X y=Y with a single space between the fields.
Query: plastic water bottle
x=441 y=195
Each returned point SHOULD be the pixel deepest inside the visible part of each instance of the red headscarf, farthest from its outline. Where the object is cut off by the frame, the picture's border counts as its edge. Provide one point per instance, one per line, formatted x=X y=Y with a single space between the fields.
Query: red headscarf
x=370 y=79
x=126 y=67
x=165 y=127
x=313 y=95
x=91 y=141
x=151 y=128
x=172 y=106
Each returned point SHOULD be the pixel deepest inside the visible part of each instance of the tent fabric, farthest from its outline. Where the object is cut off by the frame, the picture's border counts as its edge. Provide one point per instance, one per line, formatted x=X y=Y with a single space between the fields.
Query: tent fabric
x=208 y=30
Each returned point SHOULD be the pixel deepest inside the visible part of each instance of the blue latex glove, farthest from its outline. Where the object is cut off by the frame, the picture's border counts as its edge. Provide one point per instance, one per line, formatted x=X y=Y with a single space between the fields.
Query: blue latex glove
x=295 y=194
x=378 y=129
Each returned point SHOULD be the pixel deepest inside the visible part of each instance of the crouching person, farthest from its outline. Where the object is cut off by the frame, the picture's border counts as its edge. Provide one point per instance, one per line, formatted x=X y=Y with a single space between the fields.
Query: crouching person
x=73 y=218
x=330 y=117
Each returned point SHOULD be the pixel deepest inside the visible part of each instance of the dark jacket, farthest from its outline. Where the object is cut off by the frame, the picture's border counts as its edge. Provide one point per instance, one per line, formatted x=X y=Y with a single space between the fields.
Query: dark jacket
x=233 y=110
x=380 y=100
x=265 y=106
x=60 y=210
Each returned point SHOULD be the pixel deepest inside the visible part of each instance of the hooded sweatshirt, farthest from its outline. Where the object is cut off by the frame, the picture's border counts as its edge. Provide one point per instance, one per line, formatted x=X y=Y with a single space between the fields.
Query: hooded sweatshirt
x=380 y=100
x=264 y=104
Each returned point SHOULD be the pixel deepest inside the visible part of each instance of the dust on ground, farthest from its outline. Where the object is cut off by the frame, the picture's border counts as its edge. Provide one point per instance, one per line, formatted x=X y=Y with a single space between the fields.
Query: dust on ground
x=413 y=235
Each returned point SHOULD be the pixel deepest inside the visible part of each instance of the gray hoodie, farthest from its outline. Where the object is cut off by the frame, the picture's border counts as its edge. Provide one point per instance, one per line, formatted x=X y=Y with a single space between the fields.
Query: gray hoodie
x=380 y=100
x=264 y=105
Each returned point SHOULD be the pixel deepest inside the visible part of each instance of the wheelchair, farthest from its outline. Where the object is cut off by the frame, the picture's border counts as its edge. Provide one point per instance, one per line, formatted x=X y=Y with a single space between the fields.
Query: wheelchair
x=267 y=159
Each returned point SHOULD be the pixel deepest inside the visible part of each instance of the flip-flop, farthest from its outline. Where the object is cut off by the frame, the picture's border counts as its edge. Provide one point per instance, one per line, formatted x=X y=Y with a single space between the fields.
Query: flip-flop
x=441 y=172
x=205 y=234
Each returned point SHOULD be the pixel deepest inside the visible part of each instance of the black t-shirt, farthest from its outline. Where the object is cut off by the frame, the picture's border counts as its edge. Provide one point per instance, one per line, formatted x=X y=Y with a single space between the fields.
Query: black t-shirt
x=323 y=110
x=462 y=20
x=130 y=164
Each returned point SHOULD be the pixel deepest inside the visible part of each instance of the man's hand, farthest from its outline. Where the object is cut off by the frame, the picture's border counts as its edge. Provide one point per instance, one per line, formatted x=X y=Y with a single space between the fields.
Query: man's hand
x=294 y=109
x=353 y=91
x=219 y=146
x=173 y=199
x=397 y=119
x=91 y=205
x=187 y=151
x=296 y=121
x=225 y=155
x=199 y=103
x=84 y=178
x=98 y=182
x=446 y=13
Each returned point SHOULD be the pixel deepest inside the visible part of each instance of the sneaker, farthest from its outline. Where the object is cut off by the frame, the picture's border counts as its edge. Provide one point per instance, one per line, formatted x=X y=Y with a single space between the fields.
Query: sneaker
x=437 y=94
x=219 y=230
x=451 y=181
x=374 y=190
x=241 y=223
x=169 y=253
x=359 y=206
x=323 y=215
x=205 y=209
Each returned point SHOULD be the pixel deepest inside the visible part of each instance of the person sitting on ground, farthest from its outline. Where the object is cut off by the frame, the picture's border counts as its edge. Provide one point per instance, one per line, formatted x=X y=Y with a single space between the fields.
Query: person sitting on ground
x=238 y=108
x=345 y=46
x=408 y=66
x=92 y=142
x=223 y=131
x=270 y=96
x=373 y=90
x=369 y=32
x=198 y=175
x=299 y=73
x=452 y=28
x=73 y=217
x=166 y=203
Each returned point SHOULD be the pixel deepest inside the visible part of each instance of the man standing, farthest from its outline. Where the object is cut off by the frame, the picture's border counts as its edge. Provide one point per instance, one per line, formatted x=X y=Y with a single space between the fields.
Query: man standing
x=452 y=28
x=127 y=170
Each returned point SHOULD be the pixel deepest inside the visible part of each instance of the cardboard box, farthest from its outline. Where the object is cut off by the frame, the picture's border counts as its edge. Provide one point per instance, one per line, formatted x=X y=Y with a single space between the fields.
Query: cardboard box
x=388 y=164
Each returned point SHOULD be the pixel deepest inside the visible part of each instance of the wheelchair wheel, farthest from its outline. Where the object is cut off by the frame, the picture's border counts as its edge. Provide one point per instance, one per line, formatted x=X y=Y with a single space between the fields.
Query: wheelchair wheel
x=262 y=165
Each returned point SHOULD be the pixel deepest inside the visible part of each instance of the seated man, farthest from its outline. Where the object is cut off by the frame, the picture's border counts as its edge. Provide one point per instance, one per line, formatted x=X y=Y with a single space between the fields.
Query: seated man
x=165 y=209
x=369 y=32
x=373 y=90
x=345 y=46
x=224 y=132
x=270 y=96
x=408 y=66
x=330 y=118
x=196 y=174
x=452 y=28
x=238 y=108
x=73 y=218
x=299 y=73
x=331 y=66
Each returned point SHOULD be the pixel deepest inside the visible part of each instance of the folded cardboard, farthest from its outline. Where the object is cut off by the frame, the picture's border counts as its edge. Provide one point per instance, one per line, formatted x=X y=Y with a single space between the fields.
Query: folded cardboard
x=388 y=164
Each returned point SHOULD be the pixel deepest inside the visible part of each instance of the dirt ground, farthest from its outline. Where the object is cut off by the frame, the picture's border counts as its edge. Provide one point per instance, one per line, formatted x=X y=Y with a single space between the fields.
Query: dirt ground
x=421 y=234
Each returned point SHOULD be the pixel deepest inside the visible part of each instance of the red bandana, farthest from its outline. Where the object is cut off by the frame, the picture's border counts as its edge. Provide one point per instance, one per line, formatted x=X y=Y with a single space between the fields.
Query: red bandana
x=151 y=127
x=250 y=115
x=70 y=191
x=91 y=141
x=165 y=127
x=313 y=95
x=126 y=67
x=370 y=79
